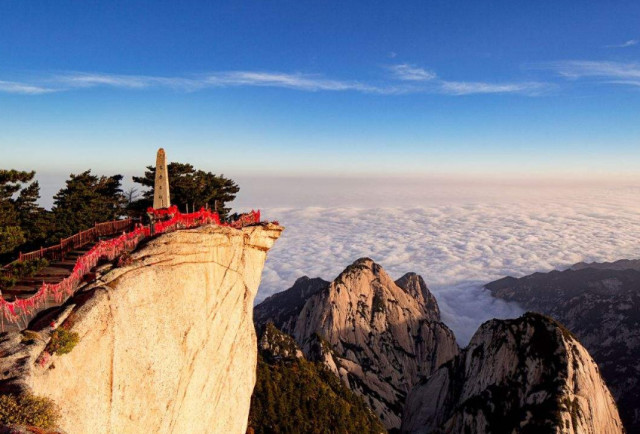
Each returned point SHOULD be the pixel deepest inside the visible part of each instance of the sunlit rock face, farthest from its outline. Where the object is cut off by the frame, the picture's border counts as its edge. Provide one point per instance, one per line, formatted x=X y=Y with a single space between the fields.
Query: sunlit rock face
x=600 y=304
x=528 y=375
x=378 y=335
x=167 y=343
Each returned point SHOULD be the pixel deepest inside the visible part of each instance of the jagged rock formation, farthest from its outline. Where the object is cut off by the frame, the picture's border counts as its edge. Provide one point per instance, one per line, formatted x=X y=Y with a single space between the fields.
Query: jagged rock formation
x=377 y=335
x=622 y=264
x=294 y=395
x=275 y=345
x=283 y=308
x=167 y=343
x=528 y=375
x=600 y=303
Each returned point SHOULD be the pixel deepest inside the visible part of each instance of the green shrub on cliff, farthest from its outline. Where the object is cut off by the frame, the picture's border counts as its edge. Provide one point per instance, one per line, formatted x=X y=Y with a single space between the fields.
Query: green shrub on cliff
x=28 y=410
x=62 y=341
x=7 y=282
x=29 y=268
x=378 y=303
x=20 y=270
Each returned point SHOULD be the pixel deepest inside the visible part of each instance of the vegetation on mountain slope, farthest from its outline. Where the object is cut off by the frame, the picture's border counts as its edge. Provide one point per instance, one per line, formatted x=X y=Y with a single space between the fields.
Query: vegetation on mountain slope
x=30 y=410
x=294 y=395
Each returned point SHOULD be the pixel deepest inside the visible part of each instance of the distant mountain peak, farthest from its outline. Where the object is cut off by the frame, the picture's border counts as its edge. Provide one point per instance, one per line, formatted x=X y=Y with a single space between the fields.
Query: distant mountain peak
x=600 y=303
x=622 y=264
x=523 y=375
x=414 y=285
x=378 y=335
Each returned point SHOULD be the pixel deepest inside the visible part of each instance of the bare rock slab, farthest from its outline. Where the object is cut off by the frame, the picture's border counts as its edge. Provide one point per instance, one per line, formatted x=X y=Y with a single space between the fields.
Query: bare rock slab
x=167 y=343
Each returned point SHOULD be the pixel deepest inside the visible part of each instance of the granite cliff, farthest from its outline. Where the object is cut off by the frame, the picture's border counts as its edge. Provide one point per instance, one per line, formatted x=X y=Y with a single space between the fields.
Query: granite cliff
x=600 y=304
x=167 y=342
x=528 y=375
x=378 y=335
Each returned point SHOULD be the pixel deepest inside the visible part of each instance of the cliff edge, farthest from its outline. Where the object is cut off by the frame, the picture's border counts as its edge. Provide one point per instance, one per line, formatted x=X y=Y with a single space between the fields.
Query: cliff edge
x=167 y=342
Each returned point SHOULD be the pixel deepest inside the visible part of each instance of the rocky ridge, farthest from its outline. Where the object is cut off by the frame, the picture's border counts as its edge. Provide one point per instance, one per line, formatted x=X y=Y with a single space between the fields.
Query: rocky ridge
x=528 y=375
x=378 y=335
x=600 y=303
x=283 y=307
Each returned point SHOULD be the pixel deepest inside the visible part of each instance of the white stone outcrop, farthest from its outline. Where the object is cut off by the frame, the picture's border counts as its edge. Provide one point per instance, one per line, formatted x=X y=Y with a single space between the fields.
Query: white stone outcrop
x=167 y=343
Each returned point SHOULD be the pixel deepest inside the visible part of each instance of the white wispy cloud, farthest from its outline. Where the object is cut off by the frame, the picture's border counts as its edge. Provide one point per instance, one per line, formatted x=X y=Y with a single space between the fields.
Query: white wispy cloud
x=468 y=87
x=635 y=83
x=298 y=81
x=432 y=83
x=81 y=80
x=629 y=43
x=405 y=71
x=91 y=80
x=22 y=88
x=291 y=81
x=606 y=71
x=219 y=79
x=76 y=80
x=406 y=79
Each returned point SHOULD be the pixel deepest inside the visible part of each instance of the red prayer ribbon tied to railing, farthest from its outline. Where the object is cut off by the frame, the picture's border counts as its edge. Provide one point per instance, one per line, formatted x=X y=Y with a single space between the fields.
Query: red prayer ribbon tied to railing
x=111 y=249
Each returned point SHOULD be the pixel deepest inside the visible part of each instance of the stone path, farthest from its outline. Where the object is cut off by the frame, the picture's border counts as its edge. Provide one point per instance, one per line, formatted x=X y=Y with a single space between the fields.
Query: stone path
x=54 y=273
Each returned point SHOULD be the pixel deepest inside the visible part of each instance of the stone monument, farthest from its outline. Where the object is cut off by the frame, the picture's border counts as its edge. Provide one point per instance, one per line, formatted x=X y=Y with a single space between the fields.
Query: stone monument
x=161 y=198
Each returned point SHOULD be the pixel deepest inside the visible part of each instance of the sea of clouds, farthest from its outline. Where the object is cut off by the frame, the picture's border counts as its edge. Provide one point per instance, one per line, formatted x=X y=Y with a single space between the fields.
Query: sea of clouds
x=457 y=237
x=457 y=234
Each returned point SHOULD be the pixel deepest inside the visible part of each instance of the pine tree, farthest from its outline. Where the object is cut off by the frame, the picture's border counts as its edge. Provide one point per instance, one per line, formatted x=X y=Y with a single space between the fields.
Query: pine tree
x=22 y=221
x=190 y=188
x=86 y=200
x=35 y=221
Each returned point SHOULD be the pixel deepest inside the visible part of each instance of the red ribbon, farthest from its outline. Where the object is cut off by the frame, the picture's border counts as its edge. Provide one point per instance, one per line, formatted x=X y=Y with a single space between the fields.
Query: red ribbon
x=110 y=249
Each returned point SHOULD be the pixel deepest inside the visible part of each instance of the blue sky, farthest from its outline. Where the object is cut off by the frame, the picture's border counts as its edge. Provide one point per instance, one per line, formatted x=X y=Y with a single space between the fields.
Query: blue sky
x=479 y=88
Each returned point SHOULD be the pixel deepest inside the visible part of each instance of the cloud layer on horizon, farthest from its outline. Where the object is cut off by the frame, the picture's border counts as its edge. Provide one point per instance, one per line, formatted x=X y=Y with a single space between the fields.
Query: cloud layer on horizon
x=456 y=247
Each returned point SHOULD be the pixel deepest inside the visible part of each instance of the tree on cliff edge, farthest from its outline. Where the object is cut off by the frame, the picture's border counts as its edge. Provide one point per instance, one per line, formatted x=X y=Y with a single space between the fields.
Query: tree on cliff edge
x=190 y=187
x=85 y=200
x=22 y=221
